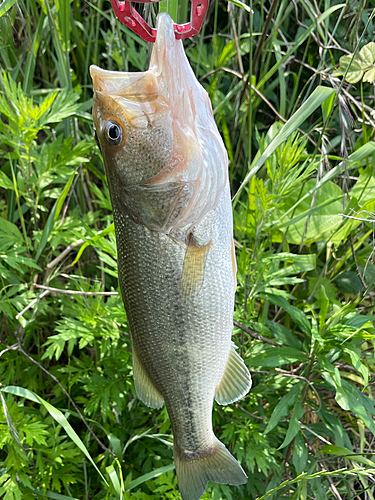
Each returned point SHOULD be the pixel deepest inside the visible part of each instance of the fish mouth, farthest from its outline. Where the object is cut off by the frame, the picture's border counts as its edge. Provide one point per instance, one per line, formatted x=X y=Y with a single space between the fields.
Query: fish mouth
x=137 y=87
x=141 y=86
x=112 y=81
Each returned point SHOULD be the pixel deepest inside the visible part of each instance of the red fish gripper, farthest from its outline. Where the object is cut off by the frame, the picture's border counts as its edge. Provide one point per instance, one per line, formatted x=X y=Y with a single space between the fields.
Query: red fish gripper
x=134 y=21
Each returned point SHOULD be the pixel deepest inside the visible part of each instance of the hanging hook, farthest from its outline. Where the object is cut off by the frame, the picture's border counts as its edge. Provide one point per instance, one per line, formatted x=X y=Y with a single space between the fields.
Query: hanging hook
x=133 y=20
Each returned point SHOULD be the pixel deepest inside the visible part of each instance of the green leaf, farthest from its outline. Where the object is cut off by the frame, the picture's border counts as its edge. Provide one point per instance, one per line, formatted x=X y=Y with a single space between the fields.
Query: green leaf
x=5 y=6
x=5 y=182
x=57 y=415
x=350 y=398
x=327 y=107
x=300 y=453
x=363 y=189
x=283 y=406
x=351 y=68
x=367 y=54
x=333 y=424
x=93 y=240
x=283 y=335
x=355 y=358
x=150 y=475
x=59 y=106
x=365 y=151
x=315 y=285
x=170 y=6
x=115 y=445
x=111 y=471
x=321 y=215
x=298 y=316
x=324 y=305
x=240 y=4
x=358 y=155
x=9 y=489
x=294 y=425
x=349 y=282
x=10 y=229
x=319 y=95
x=369 y=76
x=338 y=451
x=48 y=228
x=50 y=494
x=269 y=355
x=53 y=216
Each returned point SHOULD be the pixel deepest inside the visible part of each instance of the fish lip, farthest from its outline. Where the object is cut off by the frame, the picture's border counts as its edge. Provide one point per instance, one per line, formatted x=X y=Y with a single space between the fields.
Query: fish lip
x=113 y=81
x=103 y=80
x=98 y=74
x=136 y=87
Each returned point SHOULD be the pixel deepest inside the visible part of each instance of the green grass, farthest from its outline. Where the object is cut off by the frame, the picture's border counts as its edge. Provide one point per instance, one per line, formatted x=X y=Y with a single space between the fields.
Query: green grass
x=291 y=86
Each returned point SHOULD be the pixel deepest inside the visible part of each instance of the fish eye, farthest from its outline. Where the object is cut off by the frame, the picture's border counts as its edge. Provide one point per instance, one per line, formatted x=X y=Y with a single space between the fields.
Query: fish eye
x=114 y=133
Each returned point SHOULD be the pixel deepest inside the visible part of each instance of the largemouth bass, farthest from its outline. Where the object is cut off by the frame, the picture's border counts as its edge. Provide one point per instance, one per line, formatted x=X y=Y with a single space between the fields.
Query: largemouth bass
x=167 y=171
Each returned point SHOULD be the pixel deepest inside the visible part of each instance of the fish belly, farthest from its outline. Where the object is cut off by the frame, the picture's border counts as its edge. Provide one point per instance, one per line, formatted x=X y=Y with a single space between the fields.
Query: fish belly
x=182 y=343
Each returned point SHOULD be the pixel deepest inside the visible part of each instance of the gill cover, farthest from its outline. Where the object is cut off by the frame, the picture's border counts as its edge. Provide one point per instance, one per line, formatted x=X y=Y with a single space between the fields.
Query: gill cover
x=167 y=164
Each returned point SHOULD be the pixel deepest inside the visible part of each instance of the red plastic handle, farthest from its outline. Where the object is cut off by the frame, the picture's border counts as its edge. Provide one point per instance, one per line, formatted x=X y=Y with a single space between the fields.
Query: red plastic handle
x=130 y=17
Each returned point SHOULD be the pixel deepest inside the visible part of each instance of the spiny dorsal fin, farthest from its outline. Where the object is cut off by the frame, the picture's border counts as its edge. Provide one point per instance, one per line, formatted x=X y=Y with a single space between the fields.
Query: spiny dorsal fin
x=193 y=268
x=144 y=387
x=236 y=381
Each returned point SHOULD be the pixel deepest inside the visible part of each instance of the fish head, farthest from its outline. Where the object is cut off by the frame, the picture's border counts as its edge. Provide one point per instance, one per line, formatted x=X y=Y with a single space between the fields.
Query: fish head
x=165 y=161
x=132 y=124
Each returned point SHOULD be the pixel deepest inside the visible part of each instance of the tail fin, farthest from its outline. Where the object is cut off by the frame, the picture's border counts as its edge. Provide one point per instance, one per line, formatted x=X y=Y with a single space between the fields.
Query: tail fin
x=217 y=465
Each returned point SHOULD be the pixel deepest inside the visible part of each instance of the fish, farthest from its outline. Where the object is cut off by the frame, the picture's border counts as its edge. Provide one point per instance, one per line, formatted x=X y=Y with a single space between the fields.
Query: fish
x=167 y=172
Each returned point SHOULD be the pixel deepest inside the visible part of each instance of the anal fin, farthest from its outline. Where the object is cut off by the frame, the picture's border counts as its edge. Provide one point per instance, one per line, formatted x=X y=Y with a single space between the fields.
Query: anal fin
x=193 y=268
x=144 y=387
x=236 y=381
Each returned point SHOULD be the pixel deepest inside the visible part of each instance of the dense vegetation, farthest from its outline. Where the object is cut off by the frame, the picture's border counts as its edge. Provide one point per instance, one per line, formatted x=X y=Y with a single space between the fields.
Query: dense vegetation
x=297 y=122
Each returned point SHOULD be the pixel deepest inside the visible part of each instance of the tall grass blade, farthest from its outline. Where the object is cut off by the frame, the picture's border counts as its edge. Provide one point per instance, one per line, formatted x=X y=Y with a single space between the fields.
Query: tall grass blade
x=111 y=471
x=50 y=494
x=299 y=42
x=365 y=151
x=32 y=55
x=57 y=415
x=171 y=7
x=53 y=216
x=5 y=6
x=319 y=95
x=149 y=476
x=240 y=4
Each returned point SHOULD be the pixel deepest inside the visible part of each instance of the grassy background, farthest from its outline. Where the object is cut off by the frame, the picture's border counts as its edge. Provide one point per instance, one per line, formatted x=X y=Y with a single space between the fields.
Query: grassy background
x=291 y=85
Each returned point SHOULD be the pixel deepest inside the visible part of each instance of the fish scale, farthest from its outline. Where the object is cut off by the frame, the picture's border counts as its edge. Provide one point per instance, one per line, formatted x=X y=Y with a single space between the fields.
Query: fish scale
x=178 y=342
x=173 y=223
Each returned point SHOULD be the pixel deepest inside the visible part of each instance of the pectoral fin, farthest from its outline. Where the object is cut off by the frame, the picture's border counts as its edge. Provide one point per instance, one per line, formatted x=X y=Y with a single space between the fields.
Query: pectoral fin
x=236 y=381
x=193 y=268
x=144 y=387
